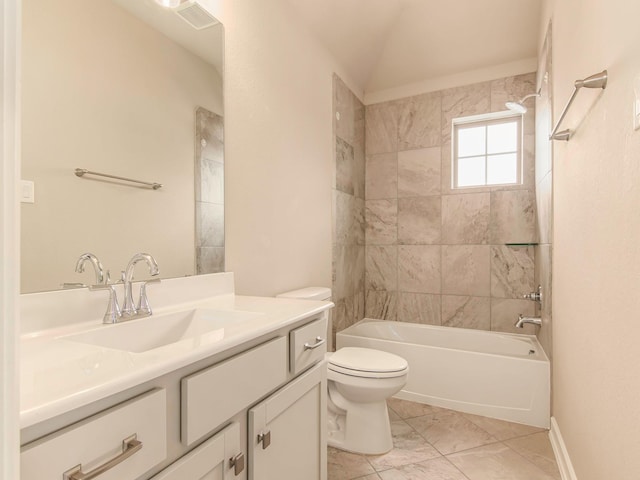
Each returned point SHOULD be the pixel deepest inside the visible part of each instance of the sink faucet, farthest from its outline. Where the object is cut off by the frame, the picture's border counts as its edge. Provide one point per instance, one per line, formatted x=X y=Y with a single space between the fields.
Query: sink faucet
x=128 y=308
x=101 y=279
x=533 y=320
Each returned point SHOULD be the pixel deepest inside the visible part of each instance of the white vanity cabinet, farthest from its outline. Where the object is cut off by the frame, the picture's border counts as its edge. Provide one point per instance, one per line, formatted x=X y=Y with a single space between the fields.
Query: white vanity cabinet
x=202 y=420
x=287 y=431
x=219 y=458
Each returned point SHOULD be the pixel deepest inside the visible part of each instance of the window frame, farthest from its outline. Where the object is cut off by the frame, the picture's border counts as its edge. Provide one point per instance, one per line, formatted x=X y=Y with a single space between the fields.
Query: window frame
x=487 y=120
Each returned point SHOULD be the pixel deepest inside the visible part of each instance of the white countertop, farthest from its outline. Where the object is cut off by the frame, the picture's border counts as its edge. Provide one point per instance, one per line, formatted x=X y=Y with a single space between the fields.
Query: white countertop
x=58 y=375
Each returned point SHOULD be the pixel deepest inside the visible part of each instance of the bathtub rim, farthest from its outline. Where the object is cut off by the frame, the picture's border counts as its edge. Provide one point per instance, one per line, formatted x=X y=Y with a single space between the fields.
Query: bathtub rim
x=539 y=351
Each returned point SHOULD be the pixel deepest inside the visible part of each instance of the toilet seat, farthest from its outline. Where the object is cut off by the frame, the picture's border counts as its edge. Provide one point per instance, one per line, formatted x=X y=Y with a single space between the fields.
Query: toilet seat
x=367 y=363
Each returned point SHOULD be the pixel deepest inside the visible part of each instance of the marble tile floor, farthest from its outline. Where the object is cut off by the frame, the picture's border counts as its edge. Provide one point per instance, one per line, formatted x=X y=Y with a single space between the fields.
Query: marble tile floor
x=432 y=443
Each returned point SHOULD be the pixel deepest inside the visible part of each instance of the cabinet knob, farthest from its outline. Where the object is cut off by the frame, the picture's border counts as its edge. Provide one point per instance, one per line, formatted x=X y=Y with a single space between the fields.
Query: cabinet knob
x=237 y=463
x=265 y=439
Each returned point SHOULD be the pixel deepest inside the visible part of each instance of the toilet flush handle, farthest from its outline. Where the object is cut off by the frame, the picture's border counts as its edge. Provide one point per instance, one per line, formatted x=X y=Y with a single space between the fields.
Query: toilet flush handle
x=319 y=342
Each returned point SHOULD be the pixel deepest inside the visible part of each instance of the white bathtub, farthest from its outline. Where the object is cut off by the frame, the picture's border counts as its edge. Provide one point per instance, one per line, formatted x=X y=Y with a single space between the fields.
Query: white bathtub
x=498 y=375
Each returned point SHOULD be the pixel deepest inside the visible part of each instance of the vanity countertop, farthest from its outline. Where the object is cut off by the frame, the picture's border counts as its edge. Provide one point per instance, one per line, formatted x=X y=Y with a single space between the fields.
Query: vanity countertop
x=58 y=375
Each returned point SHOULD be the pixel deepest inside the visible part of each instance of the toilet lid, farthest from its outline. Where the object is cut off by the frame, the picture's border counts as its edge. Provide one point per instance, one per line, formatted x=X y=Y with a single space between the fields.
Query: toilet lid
x=364 y=361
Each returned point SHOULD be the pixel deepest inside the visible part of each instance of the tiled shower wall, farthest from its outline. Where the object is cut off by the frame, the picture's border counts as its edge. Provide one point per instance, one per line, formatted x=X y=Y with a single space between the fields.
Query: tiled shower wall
x=434 y=254
x=544 y=191
x=348 y=207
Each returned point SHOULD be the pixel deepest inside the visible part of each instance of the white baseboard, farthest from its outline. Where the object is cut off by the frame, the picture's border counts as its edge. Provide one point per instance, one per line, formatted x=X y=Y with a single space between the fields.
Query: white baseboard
x=560 y=450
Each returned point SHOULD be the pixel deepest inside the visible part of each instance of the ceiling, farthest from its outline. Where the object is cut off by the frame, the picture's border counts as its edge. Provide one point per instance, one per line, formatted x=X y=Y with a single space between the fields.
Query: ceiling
x=205 y=43
x=386 y=44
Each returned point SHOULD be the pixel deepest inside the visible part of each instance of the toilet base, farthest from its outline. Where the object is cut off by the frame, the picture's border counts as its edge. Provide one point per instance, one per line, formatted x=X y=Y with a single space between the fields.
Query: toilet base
x=364 y=429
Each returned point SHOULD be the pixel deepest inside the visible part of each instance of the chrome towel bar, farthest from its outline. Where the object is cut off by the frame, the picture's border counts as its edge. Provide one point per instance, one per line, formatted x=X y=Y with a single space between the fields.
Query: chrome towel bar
x=80 y=172
x=598 y=80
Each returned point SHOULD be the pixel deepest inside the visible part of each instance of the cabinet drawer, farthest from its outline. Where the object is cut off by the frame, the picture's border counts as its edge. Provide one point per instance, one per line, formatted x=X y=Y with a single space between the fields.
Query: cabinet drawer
x=100 y=439
x=214 y=395
x=307 y=345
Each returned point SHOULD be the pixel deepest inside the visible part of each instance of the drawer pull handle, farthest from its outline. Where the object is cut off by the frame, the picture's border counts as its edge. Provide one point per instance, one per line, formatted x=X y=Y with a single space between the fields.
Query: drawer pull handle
x=130 y=446
x=265 y=439
x=237 y=463
x=319 y=341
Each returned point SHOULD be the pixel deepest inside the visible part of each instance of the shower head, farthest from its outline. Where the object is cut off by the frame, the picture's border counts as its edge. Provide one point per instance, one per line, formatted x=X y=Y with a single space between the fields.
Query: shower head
x=518 y=106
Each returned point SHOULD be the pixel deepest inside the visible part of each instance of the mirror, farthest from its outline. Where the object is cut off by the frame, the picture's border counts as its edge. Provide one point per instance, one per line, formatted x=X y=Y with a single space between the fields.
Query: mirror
x=131 y=89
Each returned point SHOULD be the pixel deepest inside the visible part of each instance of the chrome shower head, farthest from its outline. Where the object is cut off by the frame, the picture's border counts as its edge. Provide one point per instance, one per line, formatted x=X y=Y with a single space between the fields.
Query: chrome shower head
x=518 y=106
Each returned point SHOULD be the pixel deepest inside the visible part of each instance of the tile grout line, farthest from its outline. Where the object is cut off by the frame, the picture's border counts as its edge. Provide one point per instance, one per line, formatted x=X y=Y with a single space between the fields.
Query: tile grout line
x=463 y=450
x=525 y=458
x=456 y=467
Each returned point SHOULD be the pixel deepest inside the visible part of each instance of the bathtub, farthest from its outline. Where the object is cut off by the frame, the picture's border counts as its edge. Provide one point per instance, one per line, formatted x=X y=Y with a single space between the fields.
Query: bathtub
x=498 y=375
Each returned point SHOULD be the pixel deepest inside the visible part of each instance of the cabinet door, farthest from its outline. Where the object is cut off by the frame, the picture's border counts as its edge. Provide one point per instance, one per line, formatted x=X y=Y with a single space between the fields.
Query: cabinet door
x=287 y=431
x=211 y=460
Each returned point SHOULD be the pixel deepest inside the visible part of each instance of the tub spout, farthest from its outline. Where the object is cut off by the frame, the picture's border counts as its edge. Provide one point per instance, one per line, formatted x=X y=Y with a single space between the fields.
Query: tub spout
x=533 y=320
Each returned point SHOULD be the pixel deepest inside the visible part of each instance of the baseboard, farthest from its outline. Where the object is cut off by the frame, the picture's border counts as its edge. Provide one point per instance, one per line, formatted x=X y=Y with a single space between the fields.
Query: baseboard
x=560 y=450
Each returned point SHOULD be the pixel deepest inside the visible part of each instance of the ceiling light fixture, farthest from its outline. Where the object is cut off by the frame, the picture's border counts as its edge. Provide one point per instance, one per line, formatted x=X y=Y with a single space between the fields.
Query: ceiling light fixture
x=169 y=3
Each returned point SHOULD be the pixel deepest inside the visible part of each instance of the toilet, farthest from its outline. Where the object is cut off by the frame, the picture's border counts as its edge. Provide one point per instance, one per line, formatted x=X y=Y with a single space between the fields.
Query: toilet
x=359 y=381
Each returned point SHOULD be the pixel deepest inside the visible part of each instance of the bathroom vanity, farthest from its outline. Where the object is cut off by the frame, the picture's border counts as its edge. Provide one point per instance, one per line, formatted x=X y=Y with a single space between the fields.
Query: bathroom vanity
x=212 y=385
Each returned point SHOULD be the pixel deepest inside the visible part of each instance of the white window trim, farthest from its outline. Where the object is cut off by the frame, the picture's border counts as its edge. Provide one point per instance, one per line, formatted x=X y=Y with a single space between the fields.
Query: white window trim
x=487 y=119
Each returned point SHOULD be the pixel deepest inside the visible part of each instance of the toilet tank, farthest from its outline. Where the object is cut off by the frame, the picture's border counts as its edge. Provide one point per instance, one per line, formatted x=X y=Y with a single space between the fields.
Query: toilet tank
x=315 y=293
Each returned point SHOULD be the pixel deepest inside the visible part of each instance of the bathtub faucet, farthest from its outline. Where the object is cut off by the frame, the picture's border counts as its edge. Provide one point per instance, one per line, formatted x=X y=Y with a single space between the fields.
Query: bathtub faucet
x=533 y=320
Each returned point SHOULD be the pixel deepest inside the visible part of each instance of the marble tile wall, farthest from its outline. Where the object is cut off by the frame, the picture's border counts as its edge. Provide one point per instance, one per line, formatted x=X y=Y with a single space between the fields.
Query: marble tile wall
x=209 y=192
x=349 y=210
x=437 y=255
x=544 y=192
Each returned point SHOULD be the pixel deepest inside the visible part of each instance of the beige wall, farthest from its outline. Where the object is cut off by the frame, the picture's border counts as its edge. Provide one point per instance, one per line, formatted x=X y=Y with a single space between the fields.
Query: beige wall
x=123 y=104
x=596 y=240
x=279 y=150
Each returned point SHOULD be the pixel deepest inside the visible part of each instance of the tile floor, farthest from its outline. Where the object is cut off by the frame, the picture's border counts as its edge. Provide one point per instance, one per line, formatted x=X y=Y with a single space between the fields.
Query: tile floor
x=432 y=443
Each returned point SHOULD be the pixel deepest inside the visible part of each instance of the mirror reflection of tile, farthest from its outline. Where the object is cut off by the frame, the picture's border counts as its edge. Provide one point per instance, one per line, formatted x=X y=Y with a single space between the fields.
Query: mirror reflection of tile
x=209 y=190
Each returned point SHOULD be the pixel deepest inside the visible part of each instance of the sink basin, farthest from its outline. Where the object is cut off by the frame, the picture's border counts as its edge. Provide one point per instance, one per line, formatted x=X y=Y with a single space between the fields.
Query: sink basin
x=156 y=331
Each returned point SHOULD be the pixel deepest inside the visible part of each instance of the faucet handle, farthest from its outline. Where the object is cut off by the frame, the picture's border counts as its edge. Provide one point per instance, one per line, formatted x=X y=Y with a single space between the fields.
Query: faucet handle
x=534 y=296
x=143 y=302
x=113 y=313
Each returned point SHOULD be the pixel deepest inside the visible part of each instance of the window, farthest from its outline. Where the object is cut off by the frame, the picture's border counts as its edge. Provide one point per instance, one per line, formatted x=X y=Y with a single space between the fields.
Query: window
x=487 y=150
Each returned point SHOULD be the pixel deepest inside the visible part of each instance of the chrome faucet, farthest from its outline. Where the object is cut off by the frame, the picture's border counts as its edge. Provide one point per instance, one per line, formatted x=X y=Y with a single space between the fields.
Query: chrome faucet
x=101 y=279
x=113 y=313
x=128 y=308
x=533 y=320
